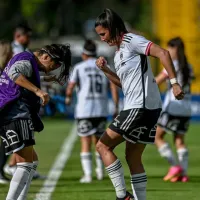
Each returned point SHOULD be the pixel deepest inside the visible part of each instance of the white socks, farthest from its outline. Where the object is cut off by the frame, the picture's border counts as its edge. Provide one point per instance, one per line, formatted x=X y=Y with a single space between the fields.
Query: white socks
x=86 y=162
x=183 y=159
x=166 y=152
x=19 y=180
x=116 y=174
x=24 y=192
x=138 y=183
x=99 y=163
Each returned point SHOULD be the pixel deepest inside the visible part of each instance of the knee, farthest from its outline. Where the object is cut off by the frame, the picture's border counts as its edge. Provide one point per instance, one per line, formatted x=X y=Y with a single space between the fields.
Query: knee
x=179 y=143
x=102 y=148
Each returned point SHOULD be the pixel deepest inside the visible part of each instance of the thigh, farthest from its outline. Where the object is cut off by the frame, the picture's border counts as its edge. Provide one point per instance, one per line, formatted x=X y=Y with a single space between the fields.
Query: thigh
x=16 y=135
x=160 y=132
x=100 y=124
x=110 y=139
x=25 y=154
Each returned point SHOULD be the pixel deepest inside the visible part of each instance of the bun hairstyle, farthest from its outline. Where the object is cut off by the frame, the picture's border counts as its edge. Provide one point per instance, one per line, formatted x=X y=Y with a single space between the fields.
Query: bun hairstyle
x=113 y=22
x=89 y=48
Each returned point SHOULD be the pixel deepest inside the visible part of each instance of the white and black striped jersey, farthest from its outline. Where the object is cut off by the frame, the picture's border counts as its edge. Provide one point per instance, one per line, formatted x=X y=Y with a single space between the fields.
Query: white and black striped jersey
x=133 y=68
x=92 y=90
x=181 y=107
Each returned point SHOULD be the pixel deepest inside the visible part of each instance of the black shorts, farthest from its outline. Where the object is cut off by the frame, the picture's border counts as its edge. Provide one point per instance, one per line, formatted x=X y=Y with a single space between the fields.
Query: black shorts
x=175 y=124
x=16 y=135
x=90 y=126
x=137 y=125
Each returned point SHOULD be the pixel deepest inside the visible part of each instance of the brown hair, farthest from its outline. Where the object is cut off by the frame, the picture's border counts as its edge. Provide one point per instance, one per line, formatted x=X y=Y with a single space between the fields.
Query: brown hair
x=5 y=53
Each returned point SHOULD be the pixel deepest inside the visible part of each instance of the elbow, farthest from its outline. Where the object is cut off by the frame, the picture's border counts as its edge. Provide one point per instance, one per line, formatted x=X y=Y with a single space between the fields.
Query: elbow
x=164 y=54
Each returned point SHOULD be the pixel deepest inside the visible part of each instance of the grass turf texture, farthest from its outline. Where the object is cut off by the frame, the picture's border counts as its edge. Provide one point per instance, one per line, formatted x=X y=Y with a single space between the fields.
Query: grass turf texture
x=68 y=186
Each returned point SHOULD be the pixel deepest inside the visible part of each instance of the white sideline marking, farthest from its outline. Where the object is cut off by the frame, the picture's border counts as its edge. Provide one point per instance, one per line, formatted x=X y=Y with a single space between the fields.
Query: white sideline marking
x=58 y=166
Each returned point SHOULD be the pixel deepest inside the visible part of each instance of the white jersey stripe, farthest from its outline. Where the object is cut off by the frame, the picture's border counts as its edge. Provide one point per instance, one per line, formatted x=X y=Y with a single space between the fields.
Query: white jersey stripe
x=124 y=123
x=132 y=119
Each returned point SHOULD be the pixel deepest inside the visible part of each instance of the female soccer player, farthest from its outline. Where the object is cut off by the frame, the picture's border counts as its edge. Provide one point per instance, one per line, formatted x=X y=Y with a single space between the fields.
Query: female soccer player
x=20 y=100
x=142 y=104
x=176 y=114
x=92 y=107
x=5 y=56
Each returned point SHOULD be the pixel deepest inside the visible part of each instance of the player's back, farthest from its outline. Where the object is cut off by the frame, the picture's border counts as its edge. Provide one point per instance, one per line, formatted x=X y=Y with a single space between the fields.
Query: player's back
x=92 y=90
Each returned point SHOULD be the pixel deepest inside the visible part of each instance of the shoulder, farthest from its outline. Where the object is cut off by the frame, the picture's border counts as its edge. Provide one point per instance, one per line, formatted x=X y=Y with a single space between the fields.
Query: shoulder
x=79 y=65
x=23 y=56
x=128 y=37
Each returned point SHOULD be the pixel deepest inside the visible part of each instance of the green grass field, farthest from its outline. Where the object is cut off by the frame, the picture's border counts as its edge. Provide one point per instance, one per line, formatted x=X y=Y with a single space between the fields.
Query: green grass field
x=48 y=146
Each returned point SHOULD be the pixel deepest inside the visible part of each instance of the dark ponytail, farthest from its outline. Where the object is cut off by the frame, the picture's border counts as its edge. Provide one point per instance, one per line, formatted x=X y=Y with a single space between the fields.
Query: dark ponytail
x=113 y=22
x=60 y=54
x=182 y=59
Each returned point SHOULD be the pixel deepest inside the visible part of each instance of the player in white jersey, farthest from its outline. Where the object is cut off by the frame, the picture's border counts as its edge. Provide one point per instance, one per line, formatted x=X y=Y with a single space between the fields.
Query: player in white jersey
x=91 y=108
x=176 y=114
x=136 y=123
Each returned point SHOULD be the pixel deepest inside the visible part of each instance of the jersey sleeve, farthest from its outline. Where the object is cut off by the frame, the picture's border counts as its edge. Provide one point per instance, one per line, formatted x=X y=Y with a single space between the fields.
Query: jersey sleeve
x=140 y=45
x=20 y=68
x=74 y=75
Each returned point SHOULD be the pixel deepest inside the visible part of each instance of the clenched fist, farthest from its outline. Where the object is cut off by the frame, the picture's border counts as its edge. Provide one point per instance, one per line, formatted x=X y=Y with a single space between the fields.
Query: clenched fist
x=101 y=63
x=178 y=92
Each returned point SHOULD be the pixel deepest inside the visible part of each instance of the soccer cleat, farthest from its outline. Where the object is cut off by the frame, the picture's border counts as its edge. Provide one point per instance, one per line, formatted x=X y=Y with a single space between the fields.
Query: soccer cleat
x=173 y=172
x=176 y=179
x=184 y=179
x=99 y=174
x=180 y=179
x=127 y=197
x=86 y=179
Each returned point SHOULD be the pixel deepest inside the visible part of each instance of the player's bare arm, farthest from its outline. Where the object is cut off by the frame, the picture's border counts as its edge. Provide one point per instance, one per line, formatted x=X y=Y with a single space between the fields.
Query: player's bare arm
x=101 y=63
x=25 y=83
x=69 y=92
x=160 y=78
x=165 y=59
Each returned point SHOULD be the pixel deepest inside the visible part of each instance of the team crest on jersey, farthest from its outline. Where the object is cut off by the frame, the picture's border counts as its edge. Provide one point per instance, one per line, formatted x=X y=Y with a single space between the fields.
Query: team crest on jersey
x=121 y=55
